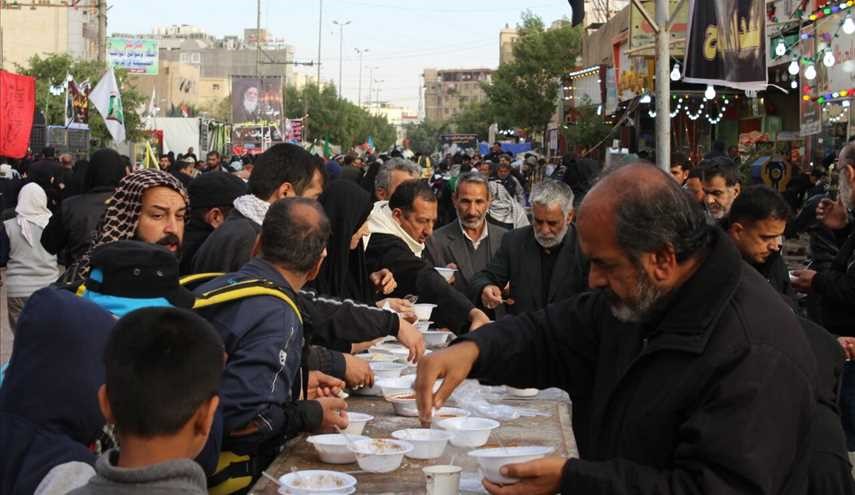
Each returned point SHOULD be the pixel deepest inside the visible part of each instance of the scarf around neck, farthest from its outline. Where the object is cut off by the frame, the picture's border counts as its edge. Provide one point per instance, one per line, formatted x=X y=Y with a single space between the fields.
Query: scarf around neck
x=381 y=221
x=251 y=207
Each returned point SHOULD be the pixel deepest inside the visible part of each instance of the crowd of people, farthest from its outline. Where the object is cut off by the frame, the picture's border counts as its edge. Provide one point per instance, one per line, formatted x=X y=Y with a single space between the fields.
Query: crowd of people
x=175 y=327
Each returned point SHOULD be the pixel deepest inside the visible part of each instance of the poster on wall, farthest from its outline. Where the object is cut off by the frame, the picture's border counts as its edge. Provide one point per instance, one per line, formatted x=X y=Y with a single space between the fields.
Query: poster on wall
x=726 y=44
x=135 y=55
x=257 y=100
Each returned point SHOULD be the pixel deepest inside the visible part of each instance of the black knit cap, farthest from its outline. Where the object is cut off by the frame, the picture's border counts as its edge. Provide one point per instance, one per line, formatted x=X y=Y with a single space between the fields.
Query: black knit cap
x=213 y=189
x=138 y=270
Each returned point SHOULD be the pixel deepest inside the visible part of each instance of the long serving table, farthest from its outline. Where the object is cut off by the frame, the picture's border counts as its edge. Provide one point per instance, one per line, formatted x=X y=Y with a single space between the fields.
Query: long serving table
x=554 y=430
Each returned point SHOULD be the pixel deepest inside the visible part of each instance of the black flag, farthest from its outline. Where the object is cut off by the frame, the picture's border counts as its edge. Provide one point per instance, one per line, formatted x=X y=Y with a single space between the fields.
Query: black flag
x=578 y=7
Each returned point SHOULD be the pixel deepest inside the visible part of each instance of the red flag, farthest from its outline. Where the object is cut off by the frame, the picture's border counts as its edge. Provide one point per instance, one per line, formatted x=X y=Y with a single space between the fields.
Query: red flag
x=17 y=104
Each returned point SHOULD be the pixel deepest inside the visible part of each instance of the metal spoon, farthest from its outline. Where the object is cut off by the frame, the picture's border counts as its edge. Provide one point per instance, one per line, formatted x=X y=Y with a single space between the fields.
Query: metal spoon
x=271 y=478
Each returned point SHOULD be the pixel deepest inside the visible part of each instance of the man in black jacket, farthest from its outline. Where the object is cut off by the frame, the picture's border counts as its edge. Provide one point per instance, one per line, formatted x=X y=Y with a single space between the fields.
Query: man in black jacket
x=399 y=230
x=756 y=224
x=542 y=263
x=687 y=372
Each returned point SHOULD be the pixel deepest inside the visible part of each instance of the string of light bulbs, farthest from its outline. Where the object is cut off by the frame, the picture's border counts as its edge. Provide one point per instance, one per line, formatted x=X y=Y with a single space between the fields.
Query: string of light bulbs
x=703 y=108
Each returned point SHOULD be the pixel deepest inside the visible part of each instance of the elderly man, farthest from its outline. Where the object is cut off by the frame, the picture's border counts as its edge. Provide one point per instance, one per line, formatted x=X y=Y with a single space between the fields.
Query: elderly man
x=687 y=372
x=397 y=242
x=721 y=186
x=391 y=174
x=471 y=242
x=542 y=262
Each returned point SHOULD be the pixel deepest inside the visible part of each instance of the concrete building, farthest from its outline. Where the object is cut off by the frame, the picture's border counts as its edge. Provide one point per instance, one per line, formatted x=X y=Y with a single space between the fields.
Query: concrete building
x=598 y=12
x=448 y=91
x=399 y=117
x=507 y=37
x=46 y=29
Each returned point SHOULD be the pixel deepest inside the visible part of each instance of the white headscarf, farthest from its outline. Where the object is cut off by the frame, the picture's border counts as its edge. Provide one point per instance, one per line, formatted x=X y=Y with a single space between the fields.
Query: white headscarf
x=381 y=221
x=32 y=210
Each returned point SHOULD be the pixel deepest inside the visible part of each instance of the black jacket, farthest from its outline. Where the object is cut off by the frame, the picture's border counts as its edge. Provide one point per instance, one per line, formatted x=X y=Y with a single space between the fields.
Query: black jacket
x=417 y=277
x=334 y=323
x=69 y=234
x=195 y=234
x=518 y=262
x=351 y=173
x=714 y=395
x=836 y=286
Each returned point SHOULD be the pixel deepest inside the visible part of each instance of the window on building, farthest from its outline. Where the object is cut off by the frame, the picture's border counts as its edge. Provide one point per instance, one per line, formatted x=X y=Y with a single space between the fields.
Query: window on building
x=196 y=58
x=215 y=87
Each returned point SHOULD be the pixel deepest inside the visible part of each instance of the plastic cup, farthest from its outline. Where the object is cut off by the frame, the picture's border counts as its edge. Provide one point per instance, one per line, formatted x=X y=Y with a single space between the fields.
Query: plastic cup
x=442 y=480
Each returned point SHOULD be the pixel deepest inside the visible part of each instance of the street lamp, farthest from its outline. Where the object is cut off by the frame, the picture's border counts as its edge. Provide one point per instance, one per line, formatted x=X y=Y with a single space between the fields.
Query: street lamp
x=341 y=26
x=360 y=52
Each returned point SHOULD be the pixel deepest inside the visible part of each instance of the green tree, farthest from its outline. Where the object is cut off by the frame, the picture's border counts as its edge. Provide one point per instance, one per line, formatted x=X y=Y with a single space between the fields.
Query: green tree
x=52 y=70
x=524 y=93
x=589 y=128
x=339 y=121
x=475 y=119
x=424 y=136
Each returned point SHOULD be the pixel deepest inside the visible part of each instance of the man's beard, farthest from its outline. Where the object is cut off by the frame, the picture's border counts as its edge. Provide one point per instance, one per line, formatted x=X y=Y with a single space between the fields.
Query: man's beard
x=250 y=105
x=165 y=241
x=551 y=242
x=473 y=222
x=647 y=299
x=844 y=192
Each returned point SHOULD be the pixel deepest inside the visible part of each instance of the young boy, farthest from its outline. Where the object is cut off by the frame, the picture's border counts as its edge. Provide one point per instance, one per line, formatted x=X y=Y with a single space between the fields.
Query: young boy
x=163 y=368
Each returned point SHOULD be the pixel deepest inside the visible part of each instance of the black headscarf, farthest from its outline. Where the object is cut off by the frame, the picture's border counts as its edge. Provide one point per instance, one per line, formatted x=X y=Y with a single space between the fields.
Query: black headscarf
x=106 y=169
x=343 y=273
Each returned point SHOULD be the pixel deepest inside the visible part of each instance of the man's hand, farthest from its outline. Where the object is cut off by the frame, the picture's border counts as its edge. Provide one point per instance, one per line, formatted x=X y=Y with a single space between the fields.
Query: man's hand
x=803 y=280
x=357 y=373
x=323 y=385
x=453 y=266
x=453 y=365
x=491 y=296
x=412 y=339
x=848 y=345
x=334 y=413
x=477 y=319
x=403 y=307
x=383 y=281
x=539 y=477
x=832 y=214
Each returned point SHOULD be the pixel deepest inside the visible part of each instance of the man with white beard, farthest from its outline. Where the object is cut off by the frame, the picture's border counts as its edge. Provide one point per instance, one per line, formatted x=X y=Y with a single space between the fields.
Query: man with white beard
x=250 y=100
x=541 y=262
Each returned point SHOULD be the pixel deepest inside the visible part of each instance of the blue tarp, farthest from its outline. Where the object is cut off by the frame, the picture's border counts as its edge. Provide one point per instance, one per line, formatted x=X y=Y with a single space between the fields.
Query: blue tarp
x=510 y=148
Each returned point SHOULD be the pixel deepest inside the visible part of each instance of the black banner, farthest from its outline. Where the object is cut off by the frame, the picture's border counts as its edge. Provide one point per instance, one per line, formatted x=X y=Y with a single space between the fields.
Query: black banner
x=727 y=44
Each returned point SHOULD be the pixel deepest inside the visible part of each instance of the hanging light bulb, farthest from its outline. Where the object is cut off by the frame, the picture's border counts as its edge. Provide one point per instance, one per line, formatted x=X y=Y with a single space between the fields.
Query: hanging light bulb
x=794 y=84
x=793 y=69
x=675 y=73
x=849 y=25
x=828 y=60
x=810 y=73
x=710 y=92
x=645 y=99
x=780 y=48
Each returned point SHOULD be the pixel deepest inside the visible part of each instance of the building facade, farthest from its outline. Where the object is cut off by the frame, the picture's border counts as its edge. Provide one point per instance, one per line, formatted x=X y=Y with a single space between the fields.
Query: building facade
x=507 y=37
x=44 y=29
x=448 y=91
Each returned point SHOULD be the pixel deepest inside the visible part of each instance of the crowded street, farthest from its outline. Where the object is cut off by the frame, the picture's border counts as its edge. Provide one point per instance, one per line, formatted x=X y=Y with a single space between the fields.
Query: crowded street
x=427 y=247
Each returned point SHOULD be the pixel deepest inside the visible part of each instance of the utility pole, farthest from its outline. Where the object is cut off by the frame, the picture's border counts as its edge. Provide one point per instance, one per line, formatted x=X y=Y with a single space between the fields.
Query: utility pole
x=257 y=36
x=102 y=30
x=360 y=52
x=371 y=83
x=341 y=26
x=320 y=32
x=663 y=85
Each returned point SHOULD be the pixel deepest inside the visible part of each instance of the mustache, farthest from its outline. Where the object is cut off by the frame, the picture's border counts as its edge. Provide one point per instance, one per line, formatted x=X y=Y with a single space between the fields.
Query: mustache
x=169 y=239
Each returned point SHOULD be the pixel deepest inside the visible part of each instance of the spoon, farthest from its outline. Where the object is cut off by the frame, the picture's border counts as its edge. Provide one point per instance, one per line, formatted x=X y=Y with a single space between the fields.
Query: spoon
x=271 y=478
x=346 y=438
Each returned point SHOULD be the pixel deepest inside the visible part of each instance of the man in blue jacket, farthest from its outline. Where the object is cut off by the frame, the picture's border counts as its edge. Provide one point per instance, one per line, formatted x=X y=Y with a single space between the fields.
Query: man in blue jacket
x=263 y=335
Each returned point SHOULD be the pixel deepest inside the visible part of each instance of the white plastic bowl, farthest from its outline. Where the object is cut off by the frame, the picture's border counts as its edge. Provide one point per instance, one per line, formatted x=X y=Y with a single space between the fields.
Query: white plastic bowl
x=423 y=325
x=446 y=273
x=396 y=386
x=386 y=370
x=332 y=448
x=436 y=338
x=468 y=432
x=315 y=481
x=404 y=404
x=356 y=423
x=423 y=311
x=380 y=455
x=523 y=392
x=427 y=443
x=492 y=460
x=450 y=412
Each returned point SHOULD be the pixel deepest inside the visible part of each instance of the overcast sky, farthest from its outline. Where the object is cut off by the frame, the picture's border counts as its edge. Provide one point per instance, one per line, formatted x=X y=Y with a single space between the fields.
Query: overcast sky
x=402 y=37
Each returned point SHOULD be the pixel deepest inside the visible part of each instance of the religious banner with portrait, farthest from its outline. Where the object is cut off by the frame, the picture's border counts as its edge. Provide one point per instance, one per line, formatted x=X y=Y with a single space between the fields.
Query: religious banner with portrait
x=727 y=44
x=257 y=100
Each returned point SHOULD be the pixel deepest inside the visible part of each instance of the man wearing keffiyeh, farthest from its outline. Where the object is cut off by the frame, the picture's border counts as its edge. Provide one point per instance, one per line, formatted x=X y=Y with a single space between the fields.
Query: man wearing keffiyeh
x=149 y=206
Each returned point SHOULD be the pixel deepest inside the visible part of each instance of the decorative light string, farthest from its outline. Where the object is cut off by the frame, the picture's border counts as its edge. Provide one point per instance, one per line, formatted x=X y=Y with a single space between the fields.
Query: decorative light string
x=703 y=109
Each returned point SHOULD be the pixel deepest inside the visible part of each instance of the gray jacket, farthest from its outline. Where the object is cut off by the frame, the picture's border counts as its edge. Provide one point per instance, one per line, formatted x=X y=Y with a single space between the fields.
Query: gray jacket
x=182 y=476
x=450 y=245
